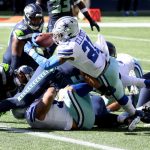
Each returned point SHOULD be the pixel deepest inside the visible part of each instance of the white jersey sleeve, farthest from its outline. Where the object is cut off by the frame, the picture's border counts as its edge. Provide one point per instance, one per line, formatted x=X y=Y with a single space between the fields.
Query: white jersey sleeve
x=102 y=45
x=57 y=118
x=66 y=50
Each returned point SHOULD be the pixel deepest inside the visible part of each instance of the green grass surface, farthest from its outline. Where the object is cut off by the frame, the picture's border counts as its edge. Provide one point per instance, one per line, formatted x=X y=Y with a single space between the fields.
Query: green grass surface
x=134 y=41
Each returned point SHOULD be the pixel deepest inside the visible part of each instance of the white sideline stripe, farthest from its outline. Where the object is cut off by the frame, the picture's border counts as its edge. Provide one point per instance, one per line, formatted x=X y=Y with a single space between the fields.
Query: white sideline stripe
x=60 y=138
x=116 y=24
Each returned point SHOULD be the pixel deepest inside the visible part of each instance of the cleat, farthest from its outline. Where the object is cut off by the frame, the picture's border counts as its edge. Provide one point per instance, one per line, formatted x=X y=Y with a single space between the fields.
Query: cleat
x=146 y=107
x=146 y=118
x=133 y=123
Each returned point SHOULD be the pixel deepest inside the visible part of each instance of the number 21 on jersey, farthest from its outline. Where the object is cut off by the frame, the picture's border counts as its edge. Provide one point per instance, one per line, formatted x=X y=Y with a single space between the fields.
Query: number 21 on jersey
x=92 y=52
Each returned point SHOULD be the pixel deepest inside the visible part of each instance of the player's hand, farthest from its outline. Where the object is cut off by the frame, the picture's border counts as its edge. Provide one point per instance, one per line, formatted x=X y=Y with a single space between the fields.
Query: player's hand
x=27 y=47
x=69 y=88
x=94 y=24
x=34 y=36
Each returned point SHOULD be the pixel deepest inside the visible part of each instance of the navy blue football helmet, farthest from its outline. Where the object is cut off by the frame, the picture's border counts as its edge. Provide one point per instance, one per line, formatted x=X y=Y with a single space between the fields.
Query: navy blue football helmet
x=33 y=16
x=112 y=49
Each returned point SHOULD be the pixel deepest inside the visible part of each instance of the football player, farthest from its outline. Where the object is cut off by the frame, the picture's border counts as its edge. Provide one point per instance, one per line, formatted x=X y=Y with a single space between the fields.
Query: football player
x=144 y=95
x=22 y=32
x=69 y=111
x=60 y=8
x=75 y=46
x=128 y=67
x=13 y=81
x=66 y=111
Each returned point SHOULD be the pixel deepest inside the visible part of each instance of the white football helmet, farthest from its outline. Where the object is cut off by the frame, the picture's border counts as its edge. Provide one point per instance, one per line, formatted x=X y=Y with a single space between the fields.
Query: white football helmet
x=64 y=29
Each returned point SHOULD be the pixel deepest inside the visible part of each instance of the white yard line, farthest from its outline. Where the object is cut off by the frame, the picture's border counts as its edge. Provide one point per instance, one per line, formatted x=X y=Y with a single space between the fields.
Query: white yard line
x=60 y=138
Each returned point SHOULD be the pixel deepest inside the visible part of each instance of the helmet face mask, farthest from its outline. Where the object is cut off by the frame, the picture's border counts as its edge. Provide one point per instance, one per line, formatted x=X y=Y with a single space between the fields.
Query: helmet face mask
x=23 y=74
x=34 y=16
x=112 y=49
x=64 y=29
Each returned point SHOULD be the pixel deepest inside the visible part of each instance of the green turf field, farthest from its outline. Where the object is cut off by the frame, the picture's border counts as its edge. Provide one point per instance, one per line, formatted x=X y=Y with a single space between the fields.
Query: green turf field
x=134 y=41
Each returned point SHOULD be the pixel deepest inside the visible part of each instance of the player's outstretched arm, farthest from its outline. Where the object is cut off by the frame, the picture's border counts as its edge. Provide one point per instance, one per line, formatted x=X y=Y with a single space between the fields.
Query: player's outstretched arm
x=84 y=10
x=45 y=63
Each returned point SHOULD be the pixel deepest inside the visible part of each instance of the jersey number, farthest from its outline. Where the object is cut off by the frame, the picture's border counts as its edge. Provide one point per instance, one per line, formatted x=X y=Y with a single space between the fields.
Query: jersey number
x=92 y=52
x=60 y=6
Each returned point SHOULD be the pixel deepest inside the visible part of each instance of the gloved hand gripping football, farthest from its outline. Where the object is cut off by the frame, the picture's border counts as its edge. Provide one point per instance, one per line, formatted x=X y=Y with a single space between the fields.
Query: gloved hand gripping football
x=42 y=39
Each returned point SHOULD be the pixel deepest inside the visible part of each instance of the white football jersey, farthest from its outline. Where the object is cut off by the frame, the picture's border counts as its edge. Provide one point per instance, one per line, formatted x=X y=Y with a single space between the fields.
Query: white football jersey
x=57 y=118
x=102 y=45
x=86 y=57
x=127 y=63
x=129 y=69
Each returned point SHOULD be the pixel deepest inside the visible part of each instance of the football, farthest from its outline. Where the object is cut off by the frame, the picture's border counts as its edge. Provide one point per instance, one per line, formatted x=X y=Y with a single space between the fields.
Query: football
x=44 y=39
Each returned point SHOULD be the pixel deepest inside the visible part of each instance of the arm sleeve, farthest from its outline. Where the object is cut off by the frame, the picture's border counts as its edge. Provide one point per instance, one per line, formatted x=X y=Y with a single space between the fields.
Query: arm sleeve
x=84 y=10
x=43 y=62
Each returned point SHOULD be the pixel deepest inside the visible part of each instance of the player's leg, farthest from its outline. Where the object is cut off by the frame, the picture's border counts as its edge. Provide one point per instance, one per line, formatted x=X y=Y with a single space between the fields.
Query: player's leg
x=34 y=88
x=111 y=80
x=105 y=119
x=80 y=109
x=144 y=95
x=102 y=117
x=7 y=55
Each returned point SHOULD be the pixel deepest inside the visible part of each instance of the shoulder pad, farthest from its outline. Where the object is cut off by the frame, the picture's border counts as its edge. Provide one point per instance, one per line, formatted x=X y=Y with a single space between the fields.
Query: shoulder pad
x=5 y=66
x=19 y=33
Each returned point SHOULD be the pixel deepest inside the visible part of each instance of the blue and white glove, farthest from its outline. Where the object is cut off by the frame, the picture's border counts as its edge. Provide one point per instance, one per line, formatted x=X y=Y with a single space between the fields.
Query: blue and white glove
x=34 y=35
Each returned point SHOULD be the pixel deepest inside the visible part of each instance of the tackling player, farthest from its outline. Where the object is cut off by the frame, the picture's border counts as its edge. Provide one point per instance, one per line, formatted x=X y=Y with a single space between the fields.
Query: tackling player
x=144 y=95
x=22 y=32
x=66 y=111
x=75 y=46
x=129 y=68
x=13 y=81
x=60 y=8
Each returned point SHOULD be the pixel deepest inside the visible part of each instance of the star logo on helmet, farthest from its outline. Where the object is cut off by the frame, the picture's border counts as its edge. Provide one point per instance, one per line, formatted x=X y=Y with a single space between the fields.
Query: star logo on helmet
x=65 y=26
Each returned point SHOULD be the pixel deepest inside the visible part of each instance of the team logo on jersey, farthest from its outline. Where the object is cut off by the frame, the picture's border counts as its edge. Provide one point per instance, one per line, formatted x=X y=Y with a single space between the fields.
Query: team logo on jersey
x=19 y=33
x=5 y=66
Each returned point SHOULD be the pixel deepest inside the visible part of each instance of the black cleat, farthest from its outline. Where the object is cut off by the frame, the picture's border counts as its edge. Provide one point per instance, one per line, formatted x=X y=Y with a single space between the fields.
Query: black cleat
x=146 y=107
